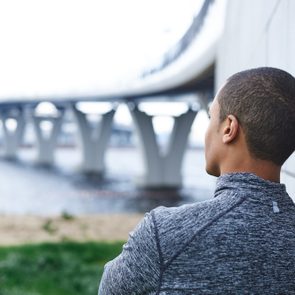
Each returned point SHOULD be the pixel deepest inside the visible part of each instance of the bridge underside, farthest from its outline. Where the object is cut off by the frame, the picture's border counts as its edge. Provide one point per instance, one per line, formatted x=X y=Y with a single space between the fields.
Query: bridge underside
x=161 y=170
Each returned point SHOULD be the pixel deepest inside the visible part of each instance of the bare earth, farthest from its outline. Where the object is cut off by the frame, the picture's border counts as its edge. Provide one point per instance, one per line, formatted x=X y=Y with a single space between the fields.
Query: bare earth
x=15 y=230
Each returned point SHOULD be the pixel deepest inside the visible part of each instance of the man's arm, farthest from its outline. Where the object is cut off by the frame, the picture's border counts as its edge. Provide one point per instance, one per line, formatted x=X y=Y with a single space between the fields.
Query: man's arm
x=136 y=269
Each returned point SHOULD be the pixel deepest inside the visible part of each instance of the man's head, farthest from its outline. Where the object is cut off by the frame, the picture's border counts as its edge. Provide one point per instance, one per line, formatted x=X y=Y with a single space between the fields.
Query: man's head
x=256 y=105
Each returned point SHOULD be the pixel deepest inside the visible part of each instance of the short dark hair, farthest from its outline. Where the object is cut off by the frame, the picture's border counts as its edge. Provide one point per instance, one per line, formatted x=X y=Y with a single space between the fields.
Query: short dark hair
x=263 y=100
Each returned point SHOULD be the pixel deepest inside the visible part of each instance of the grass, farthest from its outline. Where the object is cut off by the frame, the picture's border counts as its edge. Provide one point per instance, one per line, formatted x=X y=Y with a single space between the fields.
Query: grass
x=66 y=268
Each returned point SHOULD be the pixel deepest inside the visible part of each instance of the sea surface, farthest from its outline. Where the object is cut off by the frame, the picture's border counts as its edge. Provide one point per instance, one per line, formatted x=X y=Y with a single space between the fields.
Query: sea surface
x=28 y=188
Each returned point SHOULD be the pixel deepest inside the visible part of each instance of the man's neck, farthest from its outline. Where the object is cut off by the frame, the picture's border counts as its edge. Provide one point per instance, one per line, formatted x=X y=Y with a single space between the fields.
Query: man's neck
x=264 y=169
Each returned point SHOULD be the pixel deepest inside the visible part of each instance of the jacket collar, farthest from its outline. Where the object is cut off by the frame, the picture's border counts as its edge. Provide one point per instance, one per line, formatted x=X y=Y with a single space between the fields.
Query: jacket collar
x=248 y=183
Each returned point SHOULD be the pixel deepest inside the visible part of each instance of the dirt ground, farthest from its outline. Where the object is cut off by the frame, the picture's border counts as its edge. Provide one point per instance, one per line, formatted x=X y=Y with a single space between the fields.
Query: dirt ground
x=15 y=230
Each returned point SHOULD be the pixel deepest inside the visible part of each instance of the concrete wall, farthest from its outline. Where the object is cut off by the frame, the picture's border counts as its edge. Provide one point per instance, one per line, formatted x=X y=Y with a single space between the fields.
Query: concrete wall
x=259 y=33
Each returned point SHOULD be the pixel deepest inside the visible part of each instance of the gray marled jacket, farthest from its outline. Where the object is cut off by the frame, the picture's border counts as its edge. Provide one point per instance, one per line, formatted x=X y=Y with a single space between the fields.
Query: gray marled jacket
x=240 y=242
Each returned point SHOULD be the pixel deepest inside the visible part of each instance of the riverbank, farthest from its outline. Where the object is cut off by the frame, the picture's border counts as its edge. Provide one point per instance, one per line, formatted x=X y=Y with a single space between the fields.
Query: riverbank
x=23 y=229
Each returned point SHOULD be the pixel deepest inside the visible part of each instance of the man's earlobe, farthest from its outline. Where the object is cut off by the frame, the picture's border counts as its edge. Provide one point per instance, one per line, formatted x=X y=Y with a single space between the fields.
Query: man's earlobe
x=231 y=129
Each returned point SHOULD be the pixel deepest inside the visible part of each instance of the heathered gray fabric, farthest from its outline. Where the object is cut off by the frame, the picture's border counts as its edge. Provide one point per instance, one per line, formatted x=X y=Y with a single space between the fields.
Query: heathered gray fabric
x=240 y=242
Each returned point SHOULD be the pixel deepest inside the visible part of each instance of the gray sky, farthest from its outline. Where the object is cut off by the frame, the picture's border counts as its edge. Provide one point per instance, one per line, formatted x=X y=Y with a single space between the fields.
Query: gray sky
x=65 y=47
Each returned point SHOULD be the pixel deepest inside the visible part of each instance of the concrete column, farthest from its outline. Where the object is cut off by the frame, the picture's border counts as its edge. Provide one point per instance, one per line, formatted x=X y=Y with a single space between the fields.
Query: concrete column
x=46 y=144
x=93 y=145
x=162 y=170
x=178 y=142
x=13 y=138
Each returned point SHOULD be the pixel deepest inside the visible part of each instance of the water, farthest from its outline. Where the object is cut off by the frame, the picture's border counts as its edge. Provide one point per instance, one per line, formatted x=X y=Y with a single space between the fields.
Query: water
x=27 y=188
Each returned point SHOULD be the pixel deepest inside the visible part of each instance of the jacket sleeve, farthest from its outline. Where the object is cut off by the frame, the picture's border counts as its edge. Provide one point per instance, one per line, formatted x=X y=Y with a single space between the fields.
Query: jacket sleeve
x=136 y=270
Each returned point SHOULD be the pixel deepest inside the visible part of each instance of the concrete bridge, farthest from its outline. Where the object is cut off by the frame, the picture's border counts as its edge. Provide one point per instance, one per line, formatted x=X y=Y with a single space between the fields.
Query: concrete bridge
x=224 y=37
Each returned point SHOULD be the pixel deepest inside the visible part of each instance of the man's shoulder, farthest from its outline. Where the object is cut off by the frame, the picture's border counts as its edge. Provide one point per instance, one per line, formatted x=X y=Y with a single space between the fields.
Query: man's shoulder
x=190 y=213
x=176 y=226
x=171 y=222
x=167 y=215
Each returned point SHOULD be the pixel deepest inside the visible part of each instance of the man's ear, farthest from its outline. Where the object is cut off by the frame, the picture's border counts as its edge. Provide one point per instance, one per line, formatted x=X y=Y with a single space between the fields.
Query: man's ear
x=230 y=129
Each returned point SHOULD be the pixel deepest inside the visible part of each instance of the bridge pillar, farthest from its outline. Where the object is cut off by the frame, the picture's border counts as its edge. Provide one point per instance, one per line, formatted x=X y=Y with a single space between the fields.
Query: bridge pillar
x=14 y=137
x=93 y=144
x=47 y=139
x=162 y=170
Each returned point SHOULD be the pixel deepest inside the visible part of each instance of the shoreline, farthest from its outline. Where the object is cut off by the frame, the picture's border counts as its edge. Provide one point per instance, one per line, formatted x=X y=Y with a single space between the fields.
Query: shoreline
x=30 y=229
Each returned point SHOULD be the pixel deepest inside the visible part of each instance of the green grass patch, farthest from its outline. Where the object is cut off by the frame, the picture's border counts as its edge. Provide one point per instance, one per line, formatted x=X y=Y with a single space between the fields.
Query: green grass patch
x=66 y=268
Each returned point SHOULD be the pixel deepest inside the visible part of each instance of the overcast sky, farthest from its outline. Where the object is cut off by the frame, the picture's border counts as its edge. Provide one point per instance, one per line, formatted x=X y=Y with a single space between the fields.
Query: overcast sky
x=83 y=46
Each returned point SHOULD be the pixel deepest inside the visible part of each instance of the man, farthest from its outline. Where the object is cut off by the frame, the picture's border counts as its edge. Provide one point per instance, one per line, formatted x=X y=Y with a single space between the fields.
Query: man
x=243 y=240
